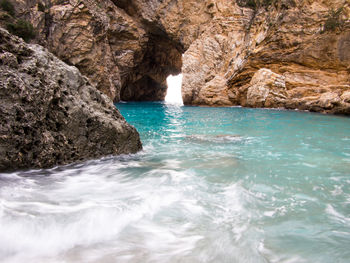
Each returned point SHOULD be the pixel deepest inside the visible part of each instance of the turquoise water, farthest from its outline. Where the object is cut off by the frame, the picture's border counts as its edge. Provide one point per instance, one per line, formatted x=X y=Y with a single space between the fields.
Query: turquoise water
x=211 y=185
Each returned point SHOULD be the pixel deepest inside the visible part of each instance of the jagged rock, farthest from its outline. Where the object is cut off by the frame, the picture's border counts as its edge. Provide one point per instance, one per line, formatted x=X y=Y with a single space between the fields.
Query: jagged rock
x=213 y=93
x=240 y=41
x=345 y=97
x=108 y=43
x=50 y=114
x=267 y=89
x=329 y=100
x=128 y=48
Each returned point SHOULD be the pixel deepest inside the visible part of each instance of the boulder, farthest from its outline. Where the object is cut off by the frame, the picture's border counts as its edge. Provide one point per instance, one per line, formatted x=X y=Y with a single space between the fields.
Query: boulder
x=50 y=114
x=267 y=89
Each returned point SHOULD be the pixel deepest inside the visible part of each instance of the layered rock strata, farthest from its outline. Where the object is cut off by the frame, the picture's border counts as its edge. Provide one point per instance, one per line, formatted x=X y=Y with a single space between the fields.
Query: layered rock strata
x=282 y=55
x=124 y=57
x=50 y=114
x=127 y=48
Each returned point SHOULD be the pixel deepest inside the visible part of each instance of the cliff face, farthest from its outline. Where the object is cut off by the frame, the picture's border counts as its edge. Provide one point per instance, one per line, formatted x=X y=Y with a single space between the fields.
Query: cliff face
x=50 y=114
x=124 y=57
x=267 y=53
x=126 y=48
x=292 y=54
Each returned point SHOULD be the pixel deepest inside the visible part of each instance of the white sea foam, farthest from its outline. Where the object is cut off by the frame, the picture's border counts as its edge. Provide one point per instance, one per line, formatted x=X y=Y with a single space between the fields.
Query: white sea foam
x=211 y=185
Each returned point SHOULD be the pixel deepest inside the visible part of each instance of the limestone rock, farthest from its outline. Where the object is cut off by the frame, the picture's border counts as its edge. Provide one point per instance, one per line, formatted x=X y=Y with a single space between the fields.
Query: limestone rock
x=328 y=100
x=108 y=43
x=267 y=89
x=214 y=93
x=128 y=48
x=345 y=97
x=289 y=38
x=50 y=114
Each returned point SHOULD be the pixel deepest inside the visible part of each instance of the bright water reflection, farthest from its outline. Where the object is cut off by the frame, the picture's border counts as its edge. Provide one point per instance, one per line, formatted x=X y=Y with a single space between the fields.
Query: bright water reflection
x=212 y=185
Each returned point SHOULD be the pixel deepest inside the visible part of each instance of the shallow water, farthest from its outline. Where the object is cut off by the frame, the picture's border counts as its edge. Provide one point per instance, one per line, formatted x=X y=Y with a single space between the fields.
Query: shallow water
x=211 y=185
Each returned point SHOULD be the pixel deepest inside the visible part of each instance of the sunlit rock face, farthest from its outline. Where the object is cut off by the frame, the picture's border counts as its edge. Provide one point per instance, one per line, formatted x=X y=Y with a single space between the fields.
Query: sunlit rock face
x=292 y=40
x=124 y=45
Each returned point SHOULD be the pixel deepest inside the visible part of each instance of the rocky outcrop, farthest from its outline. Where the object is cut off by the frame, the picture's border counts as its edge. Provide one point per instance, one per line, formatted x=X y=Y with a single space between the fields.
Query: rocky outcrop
x=266 y=89
x=124 y=57
x=292 y=54
x=50 y=114
x=128 y=48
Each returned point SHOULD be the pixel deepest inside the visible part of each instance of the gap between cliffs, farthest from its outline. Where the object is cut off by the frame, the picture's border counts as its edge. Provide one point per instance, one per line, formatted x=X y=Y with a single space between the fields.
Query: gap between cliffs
x=162 y=57
x=147 y=82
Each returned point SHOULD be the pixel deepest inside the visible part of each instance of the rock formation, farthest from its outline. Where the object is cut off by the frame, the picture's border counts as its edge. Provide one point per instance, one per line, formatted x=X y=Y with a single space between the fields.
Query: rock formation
x=125 y=58
x=50 y=114
x=277 y=55
x=128 y=48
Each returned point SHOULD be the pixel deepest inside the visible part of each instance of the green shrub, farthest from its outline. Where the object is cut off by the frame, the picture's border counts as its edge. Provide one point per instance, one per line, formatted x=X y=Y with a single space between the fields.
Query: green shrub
x=267 y=2
x=22 y=29
x=8 y=7
x=334 y=20
x=5 y=17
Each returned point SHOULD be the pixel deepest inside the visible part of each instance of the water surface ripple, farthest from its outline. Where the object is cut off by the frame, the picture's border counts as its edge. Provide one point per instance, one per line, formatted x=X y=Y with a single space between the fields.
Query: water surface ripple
x=211 y=185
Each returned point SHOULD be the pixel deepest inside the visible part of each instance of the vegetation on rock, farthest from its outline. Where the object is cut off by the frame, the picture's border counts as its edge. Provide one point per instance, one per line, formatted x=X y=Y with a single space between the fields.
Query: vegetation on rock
x=128 y=48
x=334 y=20
x=255 y=4
x=22 y=29
x=8 y=7
x=18 y=27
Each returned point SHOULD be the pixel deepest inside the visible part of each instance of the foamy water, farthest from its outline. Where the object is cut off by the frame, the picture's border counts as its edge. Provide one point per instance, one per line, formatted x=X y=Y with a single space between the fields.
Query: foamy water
x=211 y=185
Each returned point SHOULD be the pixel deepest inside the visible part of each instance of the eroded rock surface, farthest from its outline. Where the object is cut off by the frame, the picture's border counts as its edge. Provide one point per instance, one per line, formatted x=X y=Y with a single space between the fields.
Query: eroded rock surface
x=266 y=89
x=292 y=54
x=128 y=48
x=121 y=53
x=50 y=114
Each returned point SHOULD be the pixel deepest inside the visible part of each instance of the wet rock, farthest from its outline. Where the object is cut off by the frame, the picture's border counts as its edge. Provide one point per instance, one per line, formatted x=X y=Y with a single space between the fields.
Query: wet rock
x=50 y=114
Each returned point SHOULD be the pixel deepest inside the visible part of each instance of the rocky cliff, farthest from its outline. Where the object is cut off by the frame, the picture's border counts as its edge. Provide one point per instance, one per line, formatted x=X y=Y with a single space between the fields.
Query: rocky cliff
x=124 y=56
x=292 y=54
x=50 y=114
x=256 y=53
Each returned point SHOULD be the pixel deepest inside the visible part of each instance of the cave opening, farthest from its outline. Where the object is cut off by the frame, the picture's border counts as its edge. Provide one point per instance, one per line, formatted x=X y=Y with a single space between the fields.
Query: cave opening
x=148 y=81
